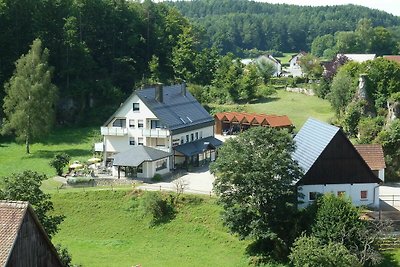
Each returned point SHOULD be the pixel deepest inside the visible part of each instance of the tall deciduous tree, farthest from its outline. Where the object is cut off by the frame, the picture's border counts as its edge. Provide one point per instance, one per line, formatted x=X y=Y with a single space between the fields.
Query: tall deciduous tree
x=25 y=186
x=254 y=183
x=30 y=97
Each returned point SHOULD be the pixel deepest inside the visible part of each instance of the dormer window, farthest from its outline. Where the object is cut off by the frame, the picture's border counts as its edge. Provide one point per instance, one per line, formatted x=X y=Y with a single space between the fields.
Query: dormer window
x=119 y=123
x=135 y=106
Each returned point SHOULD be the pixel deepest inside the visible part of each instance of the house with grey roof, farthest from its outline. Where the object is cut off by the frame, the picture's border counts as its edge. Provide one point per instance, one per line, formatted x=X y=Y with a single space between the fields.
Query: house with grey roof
x=23 y=240
x=330 y=163
x=156 y=130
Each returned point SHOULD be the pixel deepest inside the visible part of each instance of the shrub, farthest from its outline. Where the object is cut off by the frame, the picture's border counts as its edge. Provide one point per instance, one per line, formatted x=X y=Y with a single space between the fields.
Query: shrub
x=59 y=161
x=158 y=207
x=157 y=178
x=80 y=180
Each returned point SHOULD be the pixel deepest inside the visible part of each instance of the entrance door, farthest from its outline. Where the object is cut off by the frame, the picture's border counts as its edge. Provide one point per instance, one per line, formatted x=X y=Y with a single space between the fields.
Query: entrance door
x=131 y=172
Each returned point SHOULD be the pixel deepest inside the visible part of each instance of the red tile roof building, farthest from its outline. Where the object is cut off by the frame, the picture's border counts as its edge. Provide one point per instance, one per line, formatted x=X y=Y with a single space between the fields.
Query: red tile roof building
x=395 y=58
x=23 y=241
x=374 y=157
x=233 y=122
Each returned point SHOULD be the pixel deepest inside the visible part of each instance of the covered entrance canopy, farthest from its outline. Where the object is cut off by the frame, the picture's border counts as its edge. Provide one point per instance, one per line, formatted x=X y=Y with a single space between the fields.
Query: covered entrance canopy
x=137 y=155
x=138 y=161
x=199 y=146
x=197 y=152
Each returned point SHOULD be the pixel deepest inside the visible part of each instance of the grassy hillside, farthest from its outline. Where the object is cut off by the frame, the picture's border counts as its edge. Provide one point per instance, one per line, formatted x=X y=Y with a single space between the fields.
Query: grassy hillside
x=77 y=142
x=101 y=229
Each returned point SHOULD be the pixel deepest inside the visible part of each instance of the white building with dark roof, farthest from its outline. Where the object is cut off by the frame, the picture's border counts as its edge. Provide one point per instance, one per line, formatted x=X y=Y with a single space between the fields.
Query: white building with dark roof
x=158 y=129
x=331 y=164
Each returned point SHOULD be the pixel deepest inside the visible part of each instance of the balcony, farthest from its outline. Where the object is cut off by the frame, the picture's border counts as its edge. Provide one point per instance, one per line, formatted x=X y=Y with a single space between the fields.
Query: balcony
x=155 y=132
x=115 y=131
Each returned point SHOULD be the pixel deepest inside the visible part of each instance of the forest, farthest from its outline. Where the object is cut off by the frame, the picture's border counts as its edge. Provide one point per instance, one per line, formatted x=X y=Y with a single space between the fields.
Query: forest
x=238 y=25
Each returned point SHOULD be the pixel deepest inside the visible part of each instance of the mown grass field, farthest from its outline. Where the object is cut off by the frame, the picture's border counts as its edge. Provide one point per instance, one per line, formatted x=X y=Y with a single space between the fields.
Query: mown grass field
x=101 y=229
x=76 y=142
x=298 y=107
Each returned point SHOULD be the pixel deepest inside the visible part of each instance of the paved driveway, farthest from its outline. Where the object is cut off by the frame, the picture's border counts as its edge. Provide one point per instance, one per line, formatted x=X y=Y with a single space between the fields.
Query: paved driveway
x=199 y=181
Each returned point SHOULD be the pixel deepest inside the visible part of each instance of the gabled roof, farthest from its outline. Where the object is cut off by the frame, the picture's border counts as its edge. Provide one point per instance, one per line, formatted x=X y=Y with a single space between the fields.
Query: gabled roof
x=373 y=155
x=177 y=110
x=311 y=140
x=137 y=155
x=271 y=120
x=393 y=58
x=359 y=57
x=198 y=146
x=269 y=57
x=327 y=156
x=12 y=214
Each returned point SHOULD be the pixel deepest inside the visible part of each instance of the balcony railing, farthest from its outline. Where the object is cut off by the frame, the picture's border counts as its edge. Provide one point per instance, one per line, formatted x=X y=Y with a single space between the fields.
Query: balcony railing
x=155 y=133
x=116 y=131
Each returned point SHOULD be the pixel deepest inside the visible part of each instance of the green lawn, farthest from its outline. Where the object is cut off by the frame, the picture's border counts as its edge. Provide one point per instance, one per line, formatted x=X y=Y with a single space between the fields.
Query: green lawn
x=286 y=57
x=101 y=229
x=77 y=142
x=298 y=107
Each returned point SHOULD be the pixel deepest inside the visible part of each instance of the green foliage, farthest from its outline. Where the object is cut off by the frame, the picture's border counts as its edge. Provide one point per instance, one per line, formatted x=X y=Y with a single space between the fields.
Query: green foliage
x=160 y=208
x=196 y=232
x=390 y=140
x=59 y=161
x=311 y=252
x=30 y=97
x=321 y=43
x=254 y=176
x=25 y=186
x=65 y=256
x=322 y=89
x=358 y=236
x=157 y=178
x=311 y=66
x=369 y=128
x=352 y=116
x=265 y=68
x=242 y=25
x=342 y=91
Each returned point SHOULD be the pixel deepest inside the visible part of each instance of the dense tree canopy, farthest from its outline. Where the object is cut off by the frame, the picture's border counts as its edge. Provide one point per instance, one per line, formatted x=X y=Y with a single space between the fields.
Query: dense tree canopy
x=254 y=183
x=29 y=104
x=235 y=25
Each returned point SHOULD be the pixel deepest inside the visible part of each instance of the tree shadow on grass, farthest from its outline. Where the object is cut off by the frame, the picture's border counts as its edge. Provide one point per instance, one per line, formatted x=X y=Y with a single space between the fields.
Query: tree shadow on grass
x=389 y=260
x=72 y=136
x=48 y=154
x=264 y=100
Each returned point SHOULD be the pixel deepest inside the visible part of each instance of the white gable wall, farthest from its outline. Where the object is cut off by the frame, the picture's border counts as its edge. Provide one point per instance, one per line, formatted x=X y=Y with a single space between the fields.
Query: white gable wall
x=351 y=190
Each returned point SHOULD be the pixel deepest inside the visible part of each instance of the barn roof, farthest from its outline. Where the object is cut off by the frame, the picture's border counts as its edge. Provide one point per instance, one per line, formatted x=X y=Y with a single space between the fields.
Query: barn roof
x=11 y=217
x=311 y=140
x=393 y=58
x=12 y=214
x=373 y=155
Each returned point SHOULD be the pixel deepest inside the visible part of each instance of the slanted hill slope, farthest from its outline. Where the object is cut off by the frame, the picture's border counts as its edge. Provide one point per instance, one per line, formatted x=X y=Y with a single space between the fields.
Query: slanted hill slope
x=102 y=229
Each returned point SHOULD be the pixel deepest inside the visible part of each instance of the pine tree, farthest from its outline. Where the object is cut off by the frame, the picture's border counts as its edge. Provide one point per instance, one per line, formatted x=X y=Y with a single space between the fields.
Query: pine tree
x=29 y=104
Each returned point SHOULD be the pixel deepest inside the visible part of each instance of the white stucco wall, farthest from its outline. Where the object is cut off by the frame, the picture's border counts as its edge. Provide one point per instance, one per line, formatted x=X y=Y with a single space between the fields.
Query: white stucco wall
x=351 y=190
x=202 y=133
x=381 y=174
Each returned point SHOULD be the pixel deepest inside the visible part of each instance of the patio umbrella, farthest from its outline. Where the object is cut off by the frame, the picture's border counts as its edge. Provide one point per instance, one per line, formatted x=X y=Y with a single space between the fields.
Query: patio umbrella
x=75 y=166
x=94 y=160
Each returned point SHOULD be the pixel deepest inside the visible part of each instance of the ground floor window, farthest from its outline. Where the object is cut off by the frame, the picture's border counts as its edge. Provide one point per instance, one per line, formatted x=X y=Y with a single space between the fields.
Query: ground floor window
x=312 y=196
x=364 y=194
x=140 y=141
x=161 y=164
x=341 y=193
x=132 y=141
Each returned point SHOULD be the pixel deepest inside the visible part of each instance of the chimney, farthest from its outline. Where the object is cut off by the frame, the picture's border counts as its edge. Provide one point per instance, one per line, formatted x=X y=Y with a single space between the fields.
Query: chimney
x=183 y=88
x=159 y=92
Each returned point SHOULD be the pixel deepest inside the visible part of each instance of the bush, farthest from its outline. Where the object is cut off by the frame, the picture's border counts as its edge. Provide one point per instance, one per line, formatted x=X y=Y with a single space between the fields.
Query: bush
x=158 y=207
x=59 y=161
x=157 y=178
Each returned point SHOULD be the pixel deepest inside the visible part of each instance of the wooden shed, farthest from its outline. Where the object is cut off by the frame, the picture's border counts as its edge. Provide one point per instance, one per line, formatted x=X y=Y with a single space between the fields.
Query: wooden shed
x=23 y=240
x=228 y=123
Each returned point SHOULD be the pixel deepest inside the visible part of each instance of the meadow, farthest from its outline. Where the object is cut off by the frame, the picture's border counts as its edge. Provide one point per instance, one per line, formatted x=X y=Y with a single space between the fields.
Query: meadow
x=103 y=229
